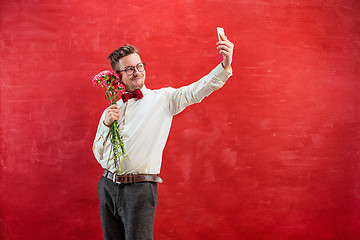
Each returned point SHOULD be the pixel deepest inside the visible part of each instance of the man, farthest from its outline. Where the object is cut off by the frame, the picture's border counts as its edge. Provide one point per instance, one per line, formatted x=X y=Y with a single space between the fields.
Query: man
x=128 y=199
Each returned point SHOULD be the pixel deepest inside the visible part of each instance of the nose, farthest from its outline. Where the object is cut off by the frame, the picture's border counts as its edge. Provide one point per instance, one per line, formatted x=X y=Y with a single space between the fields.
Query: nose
x=136 y=71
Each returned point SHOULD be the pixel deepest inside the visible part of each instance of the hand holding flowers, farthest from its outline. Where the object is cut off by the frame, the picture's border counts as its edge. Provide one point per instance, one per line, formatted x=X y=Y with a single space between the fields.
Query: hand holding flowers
x=113 y=89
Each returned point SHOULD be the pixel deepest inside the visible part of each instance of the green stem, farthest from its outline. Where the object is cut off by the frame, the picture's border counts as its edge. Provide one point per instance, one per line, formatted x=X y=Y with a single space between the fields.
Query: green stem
x=106 y=94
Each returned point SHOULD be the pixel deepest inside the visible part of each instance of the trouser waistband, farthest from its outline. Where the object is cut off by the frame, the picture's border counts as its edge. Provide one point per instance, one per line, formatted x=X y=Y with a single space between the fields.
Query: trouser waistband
x=132 y=178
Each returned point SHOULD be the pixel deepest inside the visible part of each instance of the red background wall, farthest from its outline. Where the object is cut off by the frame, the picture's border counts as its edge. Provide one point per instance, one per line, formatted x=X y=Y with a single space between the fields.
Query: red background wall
x=273 y=155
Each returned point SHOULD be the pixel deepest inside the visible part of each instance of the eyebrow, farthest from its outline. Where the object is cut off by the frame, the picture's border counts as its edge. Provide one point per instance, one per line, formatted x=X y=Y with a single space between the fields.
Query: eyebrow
x=133 y=66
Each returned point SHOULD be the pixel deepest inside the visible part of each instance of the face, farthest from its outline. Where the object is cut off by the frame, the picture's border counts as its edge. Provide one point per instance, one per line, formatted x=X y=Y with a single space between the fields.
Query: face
x=135 y=80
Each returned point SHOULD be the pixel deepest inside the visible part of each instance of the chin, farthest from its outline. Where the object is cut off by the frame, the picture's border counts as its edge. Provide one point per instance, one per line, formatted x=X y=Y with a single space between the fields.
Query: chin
x=139 y=85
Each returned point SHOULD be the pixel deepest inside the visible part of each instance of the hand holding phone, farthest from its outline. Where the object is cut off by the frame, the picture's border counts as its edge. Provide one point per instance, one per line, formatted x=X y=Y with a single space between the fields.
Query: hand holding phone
x=225 y=48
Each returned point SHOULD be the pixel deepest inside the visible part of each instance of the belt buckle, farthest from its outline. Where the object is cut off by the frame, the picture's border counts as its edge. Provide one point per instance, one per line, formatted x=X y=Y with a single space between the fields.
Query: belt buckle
x=114 y=179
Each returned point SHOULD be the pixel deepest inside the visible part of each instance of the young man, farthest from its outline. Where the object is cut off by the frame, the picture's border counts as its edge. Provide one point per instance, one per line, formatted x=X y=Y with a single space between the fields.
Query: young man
x=128 y=199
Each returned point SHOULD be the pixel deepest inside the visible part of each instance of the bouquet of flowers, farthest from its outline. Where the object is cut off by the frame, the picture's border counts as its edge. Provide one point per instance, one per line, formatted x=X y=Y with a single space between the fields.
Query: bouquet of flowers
x=113 y=88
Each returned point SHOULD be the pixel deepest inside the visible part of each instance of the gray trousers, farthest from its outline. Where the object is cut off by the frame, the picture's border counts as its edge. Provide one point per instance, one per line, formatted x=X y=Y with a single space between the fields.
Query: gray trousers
x=127 y=211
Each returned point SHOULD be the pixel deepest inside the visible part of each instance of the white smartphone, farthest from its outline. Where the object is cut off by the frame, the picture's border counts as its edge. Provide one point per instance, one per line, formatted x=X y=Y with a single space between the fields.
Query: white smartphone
x=220 y=31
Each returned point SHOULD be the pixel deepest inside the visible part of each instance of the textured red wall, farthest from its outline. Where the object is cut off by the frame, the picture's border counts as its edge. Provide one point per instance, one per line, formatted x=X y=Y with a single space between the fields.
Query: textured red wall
x=273 y=155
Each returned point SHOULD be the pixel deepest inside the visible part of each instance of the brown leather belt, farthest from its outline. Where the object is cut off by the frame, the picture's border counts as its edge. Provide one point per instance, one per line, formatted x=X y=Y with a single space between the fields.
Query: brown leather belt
x=132 y=178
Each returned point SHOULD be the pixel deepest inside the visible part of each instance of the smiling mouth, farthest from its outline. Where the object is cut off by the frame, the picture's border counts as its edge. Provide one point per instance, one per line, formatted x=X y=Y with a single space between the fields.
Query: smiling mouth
x=136 y=79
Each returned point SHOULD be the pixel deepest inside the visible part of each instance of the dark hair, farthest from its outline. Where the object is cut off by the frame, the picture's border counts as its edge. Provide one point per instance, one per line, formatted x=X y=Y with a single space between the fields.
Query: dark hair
x=121 y=52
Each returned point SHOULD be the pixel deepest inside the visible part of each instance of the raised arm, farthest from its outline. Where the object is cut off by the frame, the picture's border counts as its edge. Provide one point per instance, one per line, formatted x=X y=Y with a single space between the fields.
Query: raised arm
x=180 y=98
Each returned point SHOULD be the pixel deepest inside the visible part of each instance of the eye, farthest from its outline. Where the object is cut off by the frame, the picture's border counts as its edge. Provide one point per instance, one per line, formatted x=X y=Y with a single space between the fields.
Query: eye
x=140 y=67
x=129 y=69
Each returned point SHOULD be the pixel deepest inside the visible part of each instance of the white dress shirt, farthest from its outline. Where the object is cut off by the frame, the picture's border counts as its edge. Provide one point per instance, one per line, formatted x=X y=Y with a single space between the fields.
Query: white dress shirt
x=144 y=124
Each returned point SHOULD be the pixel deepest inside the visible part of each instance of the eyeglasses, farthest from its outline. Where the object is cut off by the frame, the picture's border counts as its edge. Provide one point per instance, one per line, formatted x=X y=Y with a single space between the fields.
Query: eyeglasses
x=131 y=69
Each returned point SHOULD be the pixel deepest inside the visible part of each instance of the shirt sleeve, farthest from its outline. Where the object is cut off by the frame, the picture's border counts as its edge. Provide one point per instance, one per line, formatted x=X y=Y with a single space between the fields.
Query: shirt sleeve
x=102 y=144
x=180 y=98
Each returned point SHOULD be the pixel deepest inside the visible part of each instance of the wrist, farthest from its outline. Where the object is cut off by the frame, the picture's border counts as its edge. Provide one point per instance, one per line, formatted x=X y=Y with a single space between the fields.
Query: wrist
x=226 y=68
x=106 y=124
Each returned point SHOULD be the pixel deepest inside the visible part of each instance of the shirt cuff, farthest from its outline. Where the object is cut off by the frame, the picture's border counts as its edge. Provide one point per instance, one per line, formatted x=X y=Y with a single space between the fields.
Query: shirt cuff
x=104 y=130
x=221 y=73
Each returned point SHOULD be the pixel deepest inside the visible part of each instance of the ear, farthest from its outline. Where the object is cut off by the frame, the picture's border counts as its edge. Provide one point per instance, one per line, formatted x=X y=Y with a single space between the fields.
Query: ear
x=119 y=74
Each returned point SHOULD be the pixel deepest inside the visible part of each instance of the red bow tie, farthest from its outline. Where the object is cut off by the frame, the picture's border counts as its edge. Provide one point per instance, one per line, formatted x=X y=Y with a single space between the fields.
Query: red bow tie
x=135 y=94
